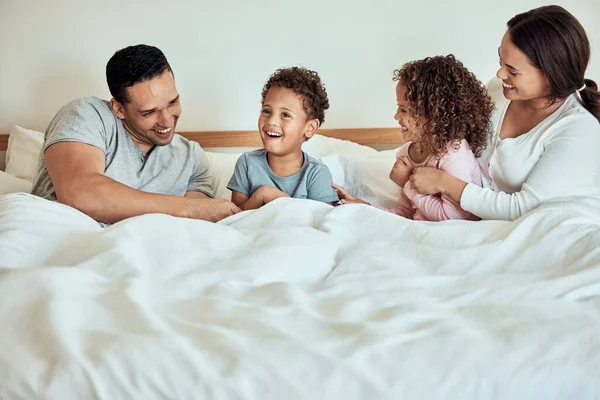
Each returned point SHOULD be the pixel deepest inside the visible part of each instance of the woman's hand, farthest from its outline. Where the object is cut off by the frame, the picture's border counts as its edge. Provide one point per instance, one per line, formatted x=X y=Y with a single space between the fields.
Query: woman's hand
x=401 y=171
x=427 y=180
x=347 y=198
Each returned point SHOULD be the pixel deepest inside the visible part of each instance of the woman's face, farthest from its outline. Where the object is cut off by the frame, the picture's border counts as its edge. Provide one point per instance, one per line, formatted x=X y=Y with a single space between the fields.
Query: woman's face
x=521 y=80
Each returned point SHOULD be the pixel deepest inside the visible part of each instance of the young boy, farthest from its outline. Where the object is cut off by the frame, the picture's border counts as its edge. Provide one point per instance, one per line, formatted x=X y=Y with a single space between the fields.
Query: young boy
x=294 y=101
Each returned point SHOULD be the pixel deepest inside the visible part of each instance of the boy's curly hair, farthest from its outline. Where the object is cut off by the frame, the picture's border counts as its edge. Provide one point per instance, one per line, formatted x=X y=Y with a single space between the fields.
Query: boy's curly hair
x=448 y=102
x=305 y=83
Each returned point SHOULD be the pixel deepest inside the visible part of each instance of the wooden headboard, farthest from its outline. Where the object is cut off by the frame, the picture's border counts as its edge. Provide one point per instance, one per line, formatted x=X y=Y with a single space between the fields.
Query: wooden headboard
x=208 y=139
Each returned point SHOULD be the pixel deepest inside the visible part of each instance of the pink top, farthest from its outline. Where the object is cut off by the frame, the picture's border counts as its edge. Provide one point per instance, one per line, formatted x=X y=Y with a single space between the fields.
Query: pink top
x=459 y=162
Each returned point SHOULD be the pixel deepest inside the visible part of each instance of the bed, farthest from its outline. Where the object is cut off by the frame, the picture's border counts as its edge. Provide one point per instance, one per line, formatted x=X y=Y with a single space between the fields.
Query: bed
x=298 y=300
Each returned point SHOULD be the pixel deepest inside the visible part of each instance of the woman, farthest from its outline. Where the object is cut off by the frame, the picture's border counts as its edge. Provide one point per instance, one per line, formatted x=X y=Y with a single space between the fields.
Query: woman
x=546 y=131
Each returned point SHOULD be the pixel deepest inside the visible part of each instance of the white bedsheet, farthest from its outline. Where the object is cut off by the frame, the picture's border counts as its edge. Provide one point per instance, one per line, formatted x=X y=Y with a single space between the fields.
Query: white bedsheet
x=299 y=300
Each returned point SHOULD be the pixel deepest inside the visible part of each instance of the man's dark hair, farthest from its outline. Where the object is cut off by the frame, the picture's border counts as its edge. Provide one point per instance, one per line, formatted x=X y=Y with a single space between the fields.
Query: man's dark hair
x=132 y=65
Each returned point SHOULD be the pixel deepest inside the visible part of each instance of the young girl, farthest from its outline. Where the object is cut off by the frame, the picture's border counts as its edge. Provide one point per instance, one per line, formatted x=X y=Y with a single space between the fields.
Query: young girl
x=444 y=114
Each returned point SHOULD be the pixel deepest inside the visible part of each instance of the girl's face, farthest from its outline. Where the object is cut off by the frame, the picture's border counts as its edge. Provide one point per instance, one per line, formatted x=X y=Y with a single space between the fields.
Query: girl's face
x=408 y=126
x=521 y=80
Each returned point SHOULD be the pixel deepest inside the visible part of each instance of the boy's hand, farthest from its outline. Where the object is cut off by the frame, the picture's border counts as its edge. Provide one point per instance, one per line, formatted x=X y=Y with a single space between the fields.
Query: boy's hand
x=269 y=193
x=401 y=171
x=347 y=198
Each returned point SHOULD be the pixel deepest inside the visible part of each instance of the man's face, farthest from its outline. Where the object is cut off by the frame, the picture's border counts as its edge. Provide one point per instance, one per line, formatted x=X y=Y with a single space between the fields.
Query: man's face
x=152 y=113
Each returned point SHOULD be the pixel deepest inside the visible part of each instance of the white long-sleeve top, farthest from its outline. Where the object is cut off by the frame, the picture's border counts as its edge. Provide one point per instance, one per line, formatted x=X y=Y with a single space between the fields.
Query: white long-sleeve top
x=558 y=157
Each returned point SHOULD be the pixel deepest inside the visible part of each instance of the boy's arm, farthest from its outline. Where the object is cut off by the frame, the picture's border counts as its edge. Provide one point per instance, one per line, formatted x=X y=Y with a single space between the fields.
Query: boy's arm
x=319 y=186
x=244 y=202
x=240 y=187
x=264 y=195
x=239 y=183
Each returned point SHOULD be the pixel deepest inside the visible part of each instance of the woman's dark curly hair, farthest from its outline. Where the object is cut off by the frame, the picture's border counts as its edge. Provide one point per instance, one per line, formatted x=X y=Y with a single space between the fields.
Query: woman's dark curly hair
x=448 y=102
x=305 y=83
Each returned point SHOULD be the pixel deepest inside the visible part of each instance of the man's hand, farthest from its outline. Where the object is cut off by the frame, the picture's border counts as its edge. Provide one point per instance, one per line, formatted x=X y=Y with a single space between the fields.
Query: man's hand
x=401 y=171
x=346 y=197
x=209 y=209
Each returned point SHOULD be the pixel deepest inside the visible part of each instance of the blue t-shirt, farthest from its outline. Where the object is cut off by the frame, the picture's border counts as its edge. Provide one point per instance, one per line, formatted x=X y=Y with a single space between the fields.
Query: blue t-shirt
x=312 y=181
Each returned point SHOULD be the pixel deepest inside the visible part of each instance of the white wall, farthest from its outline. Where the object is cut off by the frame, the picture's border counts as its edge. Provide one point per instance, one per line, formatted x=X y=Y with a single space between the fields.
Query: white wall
x=223 y=51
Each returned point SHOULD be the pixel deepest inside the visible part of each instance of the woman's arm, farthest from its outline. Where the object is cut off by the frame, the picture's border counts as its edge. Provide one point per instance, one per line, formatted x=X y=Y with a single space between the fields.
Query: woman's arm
x=566 y=167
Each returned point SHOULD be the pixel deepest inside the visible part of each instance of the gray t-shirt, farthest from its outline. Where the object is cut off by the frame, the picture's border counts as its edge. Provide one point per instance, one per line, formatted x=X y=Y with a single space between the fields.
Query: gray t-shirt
x=312 y=181
x=174 y=169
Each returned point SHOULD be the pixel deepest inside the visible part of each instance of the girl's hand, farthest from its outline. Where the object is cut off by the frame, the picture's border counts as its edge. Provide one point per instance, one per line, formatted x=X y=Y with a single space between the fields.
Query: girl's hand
x=401 y=171
x=427 y=180
x=345 y=197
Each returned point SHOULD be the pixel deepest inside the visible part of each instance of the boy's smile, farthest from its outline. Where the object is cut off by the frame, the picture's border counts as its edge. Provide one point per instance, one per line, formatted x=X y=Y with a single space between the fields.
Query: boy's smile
x=283 y=123
x=274 y=135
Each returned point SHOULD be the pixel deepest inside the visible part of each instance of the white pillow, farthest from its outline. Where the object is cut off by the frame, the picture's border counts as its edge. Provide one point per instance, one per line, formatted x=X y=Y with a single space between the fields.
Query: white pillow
x=23 y=152
x=320 y=146
x=12 y=184
x=366 y=177
x=222 y=166
x=360 y=169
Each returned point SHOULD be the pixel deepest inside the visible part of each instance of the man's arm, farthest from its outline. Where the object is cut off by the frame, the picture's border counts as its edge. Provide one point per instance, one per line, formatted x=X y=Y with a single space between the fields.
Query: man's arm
x=77 y=173
x=196 y=195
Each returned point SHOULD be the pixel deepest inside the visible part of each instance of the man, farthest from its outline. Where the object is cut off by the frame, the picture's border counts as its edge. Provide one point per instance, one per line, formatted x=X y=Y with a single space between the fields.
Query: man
x=118 y=159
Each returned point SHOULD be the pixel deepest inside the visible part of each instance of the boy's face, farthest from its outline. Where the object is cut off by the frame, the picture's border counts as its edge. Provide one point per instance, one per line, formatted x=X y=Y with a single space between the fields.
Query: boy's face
x=283 y=123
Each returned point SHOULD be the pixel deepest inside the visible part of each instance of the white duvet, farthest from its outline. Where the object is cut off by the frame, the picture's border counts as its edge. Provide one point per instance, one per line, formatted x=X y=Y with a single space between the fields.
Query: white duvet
x=299 y=300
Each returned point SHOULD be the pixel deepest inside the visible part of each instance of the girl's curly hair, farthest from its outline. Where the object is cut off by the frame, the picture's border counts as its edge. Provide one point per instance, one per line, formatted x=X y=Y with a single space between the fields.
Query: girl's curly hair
x=305 y=83
x=448 y=102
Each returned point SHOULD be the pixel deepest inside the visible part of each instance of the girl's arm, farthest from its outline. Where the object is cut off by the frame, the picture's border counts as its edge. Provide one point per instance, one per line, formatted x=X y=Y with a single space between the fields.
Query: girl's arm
x=461 y=166
x=405 y=208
